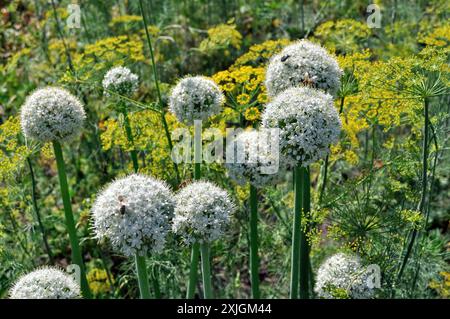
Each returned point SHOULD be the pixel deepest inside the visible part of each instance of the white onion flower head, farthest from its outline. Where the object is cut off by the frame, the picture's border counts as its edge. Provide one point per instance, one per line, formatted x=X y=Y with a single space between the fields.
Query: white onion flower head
x=202 y=212
x=52 y=114
x=46 y=283
x=308 y=123
x=259 y=163
x=303 y=64
x=134 y=213
x=121 y=81
x=195 y=98
x=343 y=275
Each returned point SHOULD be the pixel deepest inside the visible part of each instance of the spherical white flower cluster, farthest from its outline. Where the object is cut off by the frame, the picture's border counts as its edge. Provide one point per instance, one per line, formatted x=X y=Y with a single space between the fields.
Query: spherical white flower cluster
x=260 y=165
x=343 y=274
x=303 y=64
x=121 y=81
x=52 y=114
x=195 y=98
x=308 y=123
x=45 y=283
x=134 y=213
x=202 y=212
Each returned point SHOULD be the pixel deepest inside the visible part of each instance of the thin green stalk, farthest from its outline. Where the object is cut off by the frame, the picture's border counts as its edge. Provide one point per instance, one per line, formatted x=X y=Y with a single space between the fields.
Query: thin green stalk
x=296 y=230
x=421 y=206
x=108 y=272
x=195 y=251
x=304 y=246
x=70 y=223
x=193 y=272
x=37 y=211
x=130 y=138
x=158 y=91
x=206 y=271
x=155 y=281
x=428 y=208
x=141 y=269
x=61 y=35
x=254 y=258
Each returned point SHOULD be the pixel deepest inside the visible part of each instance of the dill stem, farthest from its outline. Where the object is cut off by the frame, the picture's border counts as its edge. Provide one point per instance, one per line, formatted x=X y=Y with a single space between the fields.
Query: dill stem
x=37 y=211
x=158 y=91
x=254 y=258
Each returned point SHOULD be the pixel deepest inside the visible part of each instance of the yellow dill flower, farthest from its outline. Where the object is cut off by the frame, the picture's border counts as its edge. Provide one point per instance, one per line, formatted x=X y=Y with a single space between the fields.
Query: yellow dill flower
x=252 y=114
x=259 y=54
x=351 y=157
x=12 y=153
x=345 y=35
x=242 y=193
x=222 y=76
x=98 y=281
x=439 y=37
x=252 y=85
x=243 y=99
x=228 y=87
x=148 y=134
x=124 y=19
x=262 y=98
x=220 y=37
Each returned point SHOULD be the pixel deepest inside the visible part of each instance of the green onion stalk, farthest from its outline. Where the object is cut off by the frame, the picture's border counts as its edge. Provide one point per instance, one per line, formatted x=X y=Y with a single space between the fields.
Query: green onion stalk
x=141 y=269
x=70 y=222
x=300 y=248
x=195 y=250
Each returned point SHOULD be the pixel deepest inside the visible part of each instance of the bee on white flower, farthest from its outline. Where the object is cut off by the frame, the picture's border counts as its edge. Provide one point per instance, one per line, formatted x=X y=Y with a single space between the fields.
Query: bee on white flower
x=195 y=98
x=308 y=124
x=52 y=114
x=202 y=212
x=45 y=283
x=134 y=213
x=303 y=64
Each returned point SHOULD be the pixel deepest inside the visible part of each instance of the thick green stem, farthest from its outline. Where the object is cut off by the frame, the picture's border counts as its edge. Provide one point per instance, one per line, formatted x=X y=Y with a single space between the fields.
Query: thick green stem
x=158 y=91
x=254 y=258
x=197 y=171
x=296 y=229
x=206 y=271
x=193 y=272
x=70 y=223
x=141 y=269
x=195 y=252
x=304 y=246
x=423 y=197
x=37 y=212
